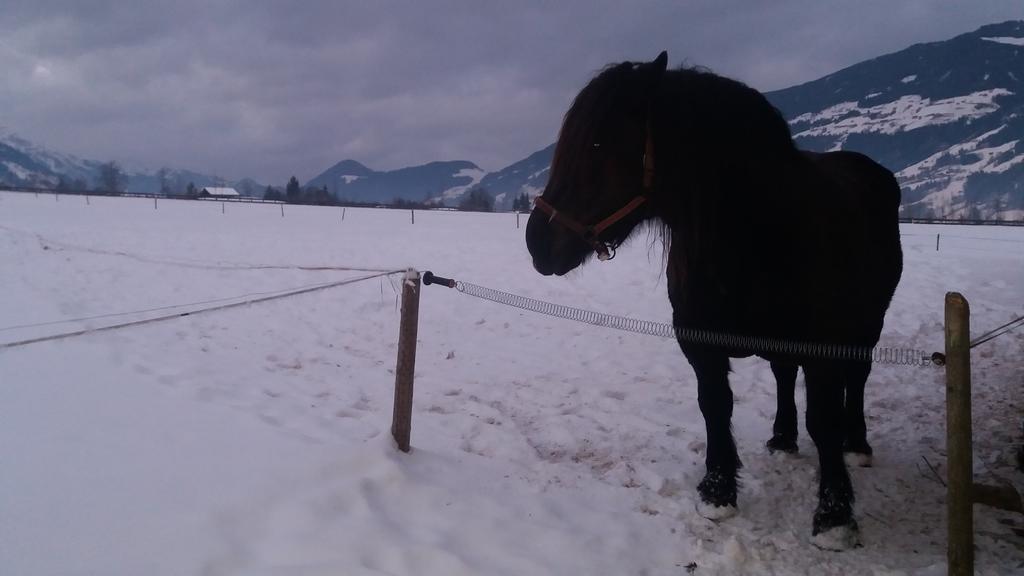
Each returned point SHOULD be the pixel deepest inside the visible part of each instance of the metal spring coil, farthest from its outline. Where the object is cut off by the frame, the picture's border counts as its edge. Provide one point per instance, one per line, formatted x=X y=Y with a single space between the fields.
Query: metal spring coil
x=754 y=344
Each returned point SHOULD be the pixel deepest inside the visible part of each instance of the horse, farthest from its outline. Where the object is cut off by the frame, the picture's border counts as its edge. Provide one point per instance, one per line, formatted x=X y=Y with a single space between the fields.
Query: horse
x=762 y=240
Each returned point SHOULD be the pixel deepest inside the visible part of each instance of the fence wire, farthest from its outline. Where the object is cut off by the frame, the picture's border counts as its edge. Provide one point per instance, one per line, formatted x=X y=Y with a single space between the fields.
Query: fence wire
x=752 y=344
x=997 y=332
x=249 y=301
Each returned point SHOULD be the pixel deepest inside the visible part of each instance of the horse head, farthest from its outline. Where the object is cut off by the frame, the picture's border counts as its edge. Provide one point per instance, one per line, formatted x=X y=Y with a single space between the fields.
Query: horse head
x=602 y=170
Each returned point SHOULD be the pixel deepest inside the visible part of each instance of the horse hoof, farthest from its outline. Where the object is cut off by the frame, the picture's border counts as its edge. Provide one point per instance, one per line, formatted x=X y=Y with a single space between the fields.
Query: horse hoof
x=838 y=538
x=779 y=443
x=858 y=459
x=717 y=493
x=857 y=453
x=715 y=512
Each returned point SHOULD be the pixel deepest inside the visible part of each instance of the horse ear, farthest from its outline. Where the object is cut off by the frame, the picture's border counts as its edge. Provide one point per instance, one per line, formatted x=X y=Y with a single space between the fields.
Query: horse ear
x=660 y=63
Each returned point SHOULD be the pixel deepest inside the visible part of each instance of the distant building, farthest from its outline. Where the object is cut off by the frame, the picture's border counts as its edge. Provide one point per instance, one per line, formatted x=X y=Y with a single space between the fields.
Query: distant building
x=216 y=192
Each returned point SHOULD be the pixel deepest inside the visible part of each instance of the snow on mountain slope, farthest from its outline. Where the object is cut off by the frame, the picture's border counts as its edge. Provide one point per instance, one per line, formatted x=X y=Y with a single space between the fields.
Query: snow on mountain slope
x=947 y=117
x=945 y=178
x=904 y=114
x=1013 y=41
x=454 y=193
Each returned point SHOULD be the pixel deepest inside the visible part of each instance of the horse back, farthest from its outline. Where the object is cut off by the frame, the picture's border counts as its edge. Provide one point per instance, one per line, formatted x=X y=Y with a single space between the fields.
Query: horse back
x=855 y=203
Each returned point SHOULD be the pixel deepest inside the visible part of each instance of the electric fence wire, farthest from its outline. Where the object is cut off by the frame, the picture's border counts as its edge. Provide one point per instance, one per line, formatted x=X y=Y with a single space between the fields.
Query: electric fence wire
x=157 y=309
x=249 y=301
x=753 y=344
x=997 y=332
x=50 y=244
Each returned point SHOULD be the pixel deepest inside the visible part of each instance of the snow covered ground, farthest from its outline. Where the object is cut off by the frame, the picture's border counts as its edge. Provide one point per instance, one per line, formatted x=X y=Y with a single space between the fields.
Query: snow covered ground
x=255 y=440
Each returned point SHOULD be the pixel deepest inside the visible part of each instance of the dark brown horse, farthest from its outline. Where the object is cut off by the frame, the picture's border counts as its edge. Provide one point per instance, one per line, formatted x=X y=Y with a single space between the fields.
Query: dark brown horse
x=765 y=241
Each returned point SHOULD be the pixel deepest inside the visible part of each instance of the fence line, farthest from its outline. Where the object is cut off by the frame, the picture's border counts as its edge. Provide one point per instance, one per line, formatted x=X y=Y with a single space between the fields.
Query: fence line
x=754 y=344
x=239 y=200
x=294 y=292
x=187 y=263
x=254 y=200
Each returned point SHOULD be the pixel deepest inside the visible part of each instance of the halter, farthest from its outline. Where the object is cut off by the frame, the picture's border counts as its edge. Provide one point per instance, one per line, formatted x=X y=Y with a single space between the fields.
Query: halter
x=592 y=234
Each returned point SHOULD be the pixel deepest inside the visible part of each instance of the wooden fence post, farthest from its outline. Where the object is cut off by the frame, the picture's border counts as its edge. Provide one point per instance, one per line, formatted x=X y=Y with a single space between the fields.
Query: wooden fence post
x=342 y=213
x=960 y=474
x=936 y=242
x=413 y=214
x=282 y=210
x=401 y=423
x=221 y=207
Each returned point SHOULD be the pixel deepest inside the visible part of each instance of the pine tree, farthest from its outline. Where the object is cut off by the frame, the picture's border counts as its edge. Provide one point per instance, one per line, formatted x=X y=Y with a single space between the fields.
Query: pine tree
x=521 y=203
x=292 y=192
x=477 y=201
x=110 y=179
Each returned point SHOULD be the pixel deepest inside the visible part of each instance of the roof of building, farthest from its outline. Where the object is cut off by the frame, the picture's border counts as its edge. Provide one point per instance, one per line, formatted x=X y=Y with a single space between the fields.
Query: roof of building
x=218 y=191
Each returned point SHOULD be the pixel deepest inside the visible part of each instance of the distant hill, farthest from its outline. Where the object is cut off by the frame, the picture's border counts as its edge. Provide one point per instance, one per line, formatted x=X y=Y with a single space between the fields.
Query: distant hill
x=437 y=182
x=340 y=175
x=529 y=176
x=23 y=163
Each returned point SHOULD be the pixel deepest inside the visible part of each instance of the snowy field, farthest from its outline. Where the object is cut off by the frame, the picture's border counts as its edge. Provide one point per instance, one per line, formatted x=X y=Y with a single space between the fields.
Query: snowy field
x=255 y=440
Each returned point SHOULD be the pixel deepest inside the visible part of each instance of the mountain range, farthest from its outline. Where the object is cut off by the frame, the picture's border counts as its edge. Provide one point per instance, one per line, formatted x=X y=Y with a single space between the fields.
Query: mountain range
x=439 y=182
x=947 y=117
x=24 y=164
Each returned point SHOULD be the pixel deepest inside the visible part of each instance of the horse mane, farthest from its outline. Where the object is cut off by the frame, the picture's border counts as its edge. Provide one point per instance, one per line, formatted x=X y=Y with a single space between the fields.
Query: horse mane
x=726 y=161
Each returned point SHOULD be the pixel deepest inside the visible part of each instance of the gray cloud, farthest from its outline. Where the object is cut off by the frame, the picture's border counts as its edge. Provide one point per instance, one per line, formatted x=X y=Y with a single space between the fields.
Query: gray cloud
x=288 y=88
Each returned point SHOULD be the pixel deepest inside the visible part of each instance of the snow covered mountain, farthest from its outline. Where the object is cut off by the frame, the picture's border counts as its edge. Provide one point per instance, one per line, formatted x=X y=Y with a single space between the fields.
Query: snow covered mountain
x=529 y=176
x=23 y=163
x=436 y=182
x=947 y=117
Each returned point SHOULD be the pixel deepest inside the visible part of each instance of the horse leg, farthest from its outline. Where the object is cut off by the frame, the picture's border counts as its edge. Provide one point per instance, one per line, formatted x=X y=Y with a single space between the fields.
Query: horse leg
x=718 y=488
x=784 y=430
x=856 y=449
x=834 y=525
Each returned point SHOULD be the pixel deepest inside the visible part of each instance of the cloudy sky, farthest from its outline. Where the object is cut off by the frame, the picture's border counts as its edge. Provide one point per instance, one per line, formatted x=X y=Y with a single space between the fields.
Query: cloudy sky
x=272 y=89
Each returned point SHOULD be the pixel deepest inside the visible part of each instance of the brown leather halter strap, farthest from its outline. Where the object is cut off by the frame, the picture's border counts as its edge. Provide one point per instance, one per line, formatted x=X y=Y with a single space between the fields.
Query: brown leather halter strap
x=591 y=234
